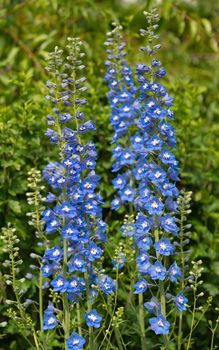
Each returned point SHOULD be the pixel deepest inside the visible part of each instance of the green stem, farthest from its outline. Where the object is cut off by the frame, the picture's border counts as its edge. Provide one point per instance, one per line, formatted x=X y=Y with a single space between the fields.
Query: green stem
x=162 y=296
x=89 y=307
x=193 y=317
x=66 y=309
x=79 y=318
x=19 y=306
x=182 y=280
x=213 y=330
x=179 y=332
x=41 y=301
x=141 y=321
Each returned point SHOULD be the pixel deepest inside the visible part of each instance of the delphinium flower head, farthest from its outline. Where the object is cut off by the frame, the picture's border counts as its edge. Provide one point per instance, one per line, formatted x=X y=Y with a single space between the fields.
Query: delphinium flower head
x=73 y=218
x=146 y=168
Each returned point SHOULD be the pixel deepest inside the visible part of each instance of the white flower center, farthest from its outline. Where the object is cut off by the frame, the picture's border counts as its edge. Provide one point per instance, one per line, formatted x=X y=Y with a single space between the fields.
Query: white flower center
x=157 y=174
x=54 y=223
x=93 y=251
x=154 y=205
x=163 y=245
x=56 y=252
x=166 y=155
x=92 y=317
x=66 y=209
x=51 y=320
x=160 y=323
x=126 y=109
x=155 y=142
x=60 y=283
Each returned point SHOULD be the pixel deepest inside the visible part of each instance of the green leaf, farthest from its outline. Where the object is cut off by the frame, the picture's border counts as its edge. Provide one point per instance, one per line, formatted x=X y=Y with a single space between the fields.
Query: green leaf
x=14 y=206
x=207 y=25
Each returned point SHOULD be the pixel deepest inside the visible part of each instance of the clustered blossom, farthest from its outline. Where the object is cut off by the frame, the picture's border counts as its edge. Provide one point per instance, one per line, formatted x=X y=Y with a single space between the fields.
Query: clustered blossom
x=74 y=215
x=146 y=169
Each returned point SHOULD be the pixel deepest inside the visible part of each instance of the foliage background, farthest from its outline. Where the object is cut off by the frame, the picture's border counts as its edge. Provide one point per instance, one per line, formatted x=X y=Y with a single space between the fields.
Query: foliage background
x=189 y=32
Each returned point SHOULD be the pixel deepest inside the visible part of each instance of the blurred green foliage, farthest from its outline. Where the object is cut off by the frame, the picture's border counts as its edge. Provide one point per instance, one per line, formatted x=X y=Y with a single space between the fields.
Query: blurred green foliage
x=189 y=33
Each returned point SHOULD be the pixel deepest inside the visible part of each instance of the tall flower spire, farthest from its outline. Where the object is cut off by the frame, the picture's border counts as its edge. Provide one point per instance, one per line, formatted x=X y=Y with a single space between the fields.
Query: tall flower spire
x=73 y=219
x=147 y=172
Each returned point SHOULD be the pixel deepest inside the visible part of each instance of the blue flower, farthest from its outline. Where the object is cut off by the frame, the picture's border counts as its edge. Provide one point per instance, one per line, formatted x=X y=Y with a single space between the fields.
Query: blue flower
x=93 y=251
x=159 y=325
x=164 y=247
x=153 y=306
x=93 y=319
x=143 y=223
x=107 y=284
x=77 y=264
x=174 y=273
x=47 y=270
x=119 y=182
x=157 y=175
x=52 y=225
x=127 y=194
x=50 y=321
x=181 y=301
x=66 y=210
x=76 y=285
x=157 y=271
x=65 y=117
x=70 y=232
x=87 y=126
x=116 y=203
x=119 y=262
x=54 y=254
x=154 y=206
x=75 y=342
x=168 y=224
x=143 y=263
x=59 y=284
x=140 y=286
x=155 y=143
x=143 y=242
x=167 y=157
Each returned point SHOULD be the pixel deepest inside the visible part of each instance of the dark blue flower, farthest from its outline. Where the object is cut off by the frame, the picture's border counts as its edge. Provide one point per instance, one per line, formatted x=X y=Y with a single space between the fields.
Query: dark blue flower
x=107 y=284
x=159 y=325
x=127 y=194
x=75 y=342
x=93 y=251
x=66 y=210
x=52 y=225
x=154 y=206
x=93 y=319
x=174 y=273
x=164 y=247
x=168 y=224
x=50 y=321
x=181 y=301
x=140 y=286
x=157 y=271
x=59 y=284
x=143 y=223
x=77 y=263
x=153 y=306
x=54 y=254
x=47 y=270
x=76 y=285
x=70 y=232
